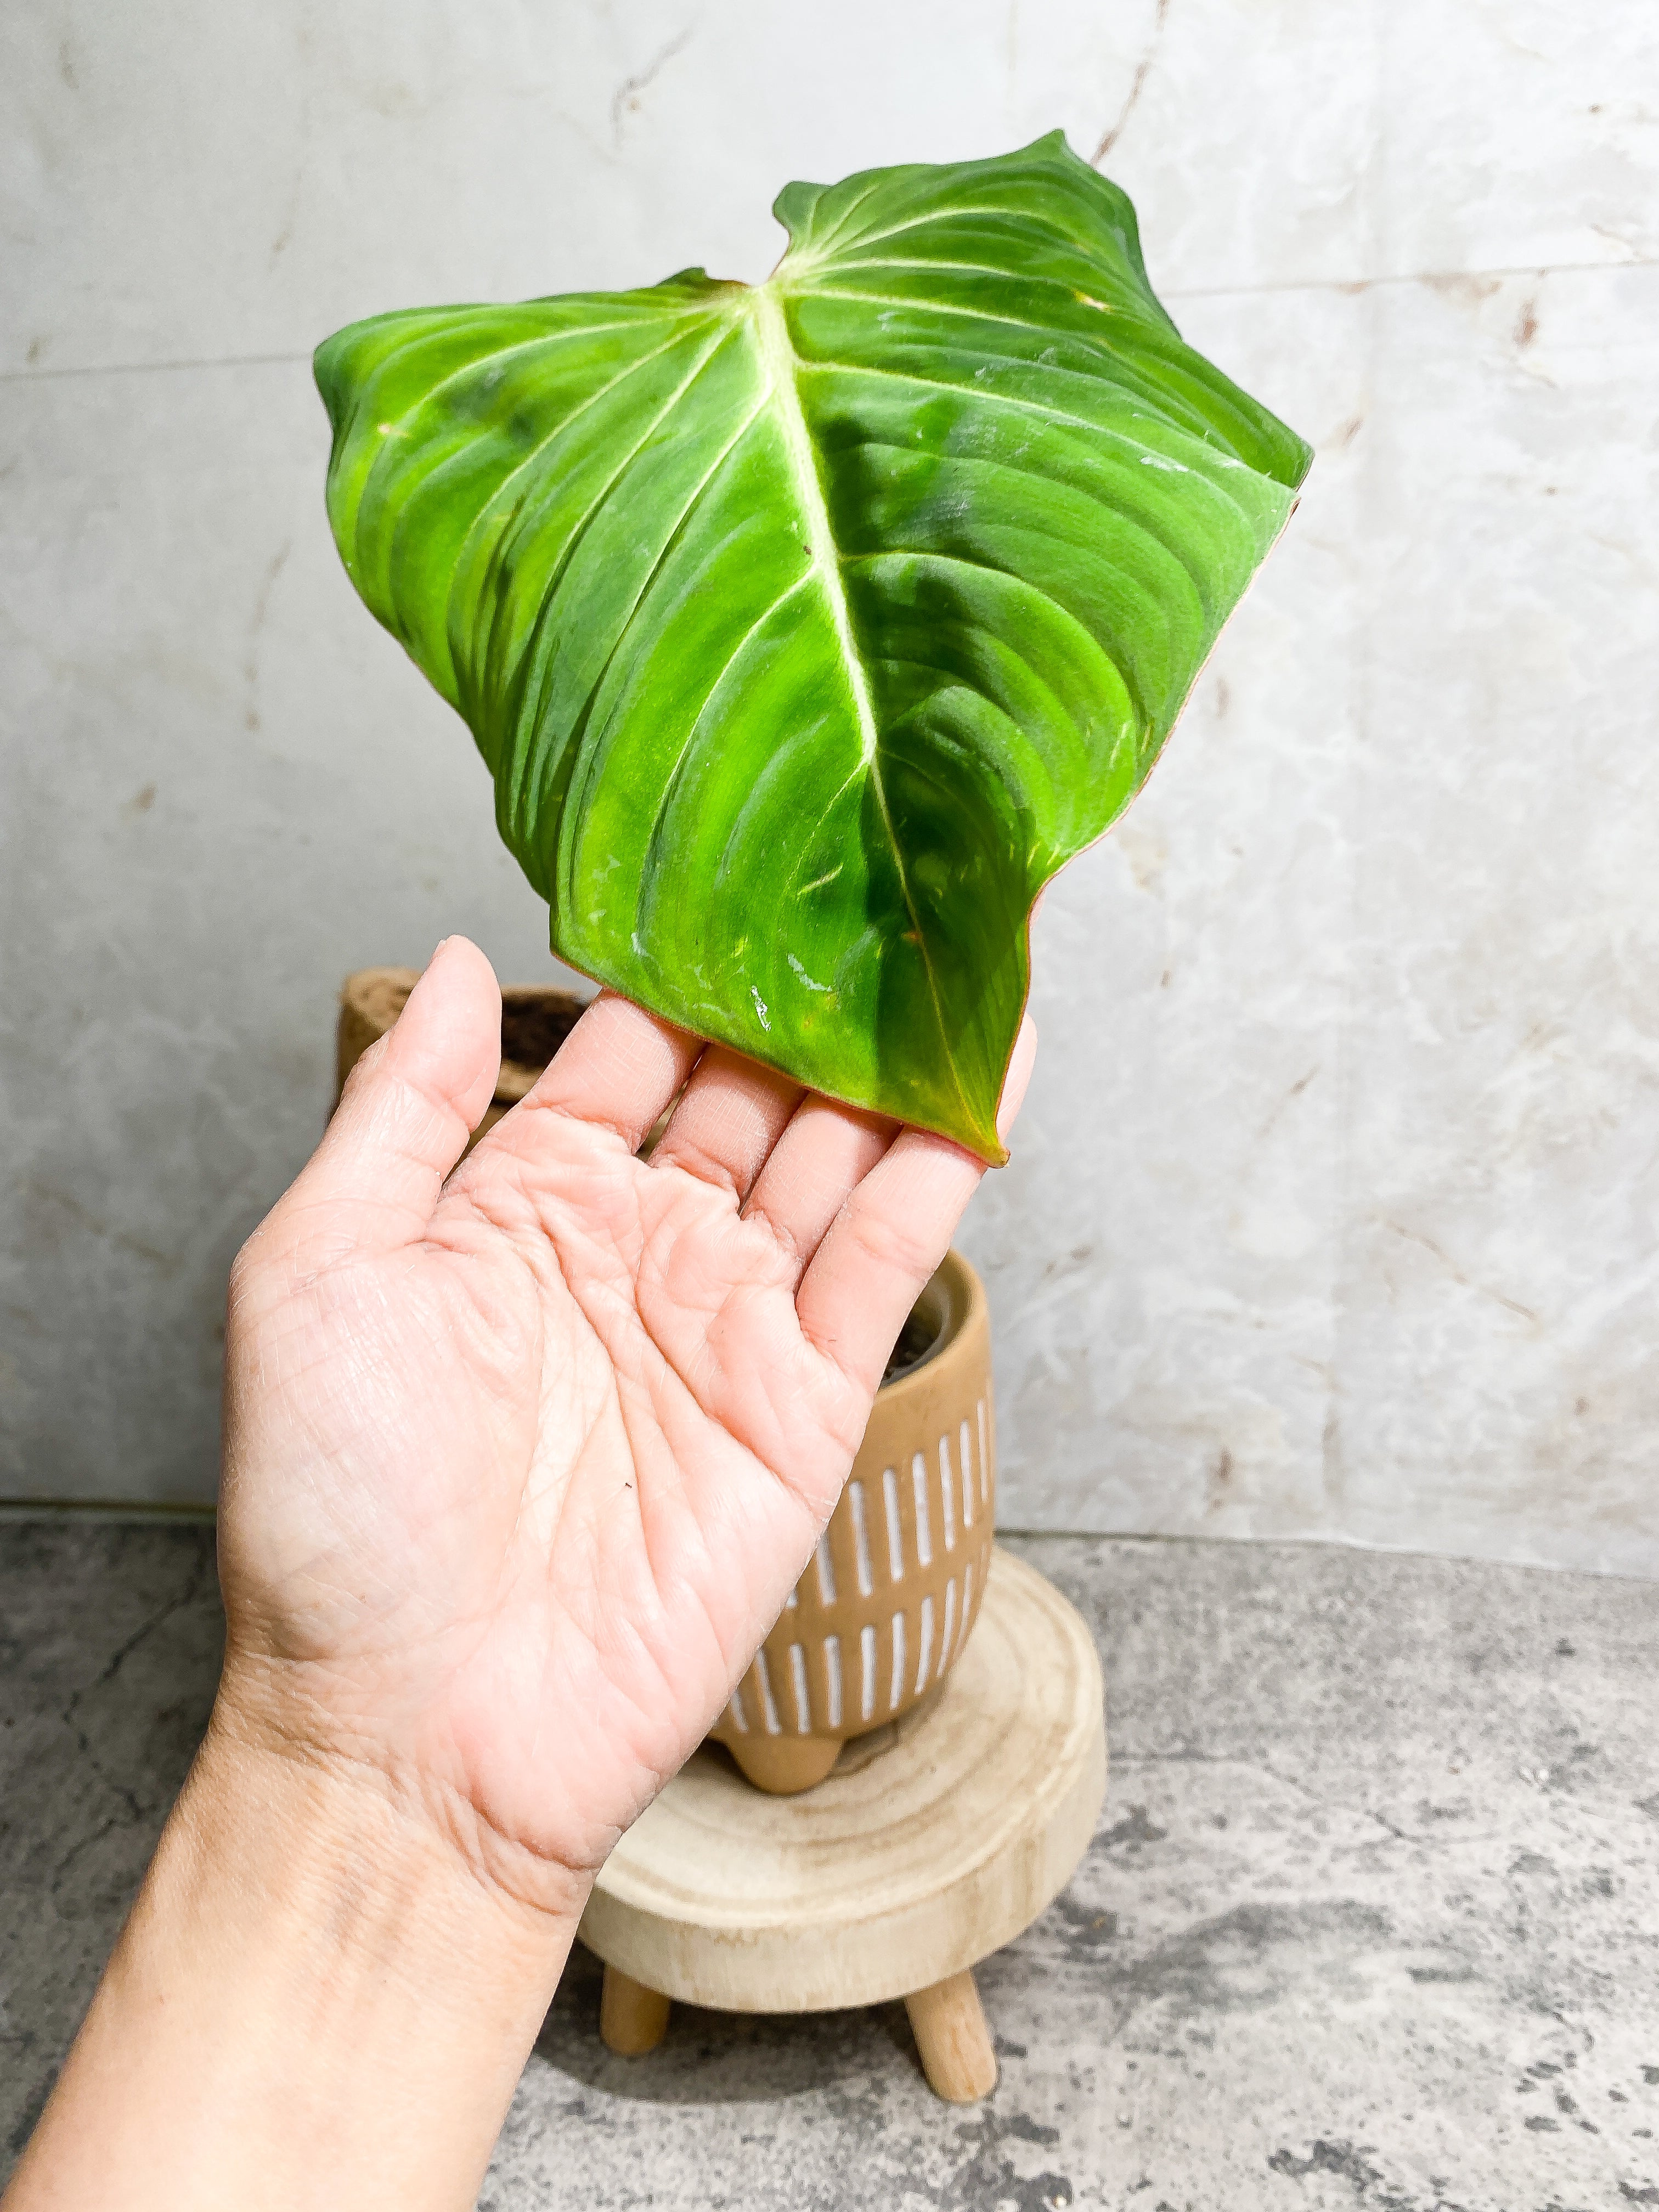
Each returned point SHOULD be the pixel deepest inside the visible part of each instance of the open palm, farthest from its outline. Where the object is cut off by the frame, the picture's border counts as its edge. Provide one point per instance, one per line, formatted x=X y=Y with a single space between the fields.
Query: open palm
x=522 y=1459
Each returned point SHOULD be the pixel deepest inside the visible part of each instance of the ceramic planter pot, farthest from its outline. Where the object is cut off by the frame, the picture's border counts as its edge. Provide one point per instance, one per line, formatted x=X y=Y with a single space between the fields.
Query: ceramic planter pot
x=883 y=1611
x=890 y=1599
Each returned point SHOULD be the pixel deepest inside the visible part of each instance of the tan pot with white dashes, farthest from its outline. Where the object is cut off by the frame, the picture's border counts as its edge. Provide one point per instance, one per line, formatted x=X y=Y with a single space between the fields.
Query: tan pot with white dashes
x=885 y=1607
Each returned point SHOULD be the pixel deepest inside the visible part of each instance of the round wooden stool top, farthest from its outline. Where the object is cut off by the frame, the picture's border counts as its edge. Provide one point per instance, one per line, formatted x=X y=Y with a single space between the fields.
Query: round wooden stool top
x=933 y=1842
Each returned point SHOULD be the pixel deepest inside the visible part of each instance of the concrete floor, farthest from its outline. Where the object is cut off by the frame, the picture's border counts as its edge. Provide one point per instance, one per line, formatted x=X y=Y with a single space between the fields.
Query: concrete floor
x=1371 y=1918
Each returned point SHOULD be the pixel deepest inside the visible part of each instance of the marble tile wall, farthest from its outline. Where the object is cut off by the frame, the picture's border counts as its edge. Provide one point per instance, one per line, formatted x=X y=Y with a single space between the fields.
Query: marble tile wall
x=1334 y=1209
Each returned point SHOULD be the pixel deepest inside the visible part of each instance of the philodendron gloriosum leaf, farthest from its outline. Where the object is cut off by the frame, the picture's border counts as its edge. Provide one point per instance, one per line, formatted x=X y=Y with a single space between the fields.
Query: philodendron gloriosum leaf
x=809 y=628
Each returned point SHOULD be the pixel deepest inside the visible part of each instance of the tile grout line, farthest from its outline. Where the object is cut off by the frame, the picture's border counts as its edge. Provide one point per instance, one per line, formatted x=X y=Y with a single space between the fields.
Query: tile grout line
x=1355 y=285
x=153 y=367
x=1352 y=285
x=137 y=1513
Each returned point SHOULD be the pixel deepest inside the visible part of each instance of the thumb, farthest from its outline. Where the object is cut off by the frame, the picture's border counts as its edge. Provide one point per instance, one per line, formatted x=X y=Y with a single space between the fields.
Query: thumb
x=409 y=1107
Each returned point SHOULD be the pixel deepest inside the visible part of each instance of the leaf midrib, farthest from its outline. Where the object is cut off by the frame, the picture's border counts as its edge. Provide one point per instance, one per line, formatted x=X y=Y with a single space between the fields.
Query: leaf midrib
x=780 y=362
x=779 y=358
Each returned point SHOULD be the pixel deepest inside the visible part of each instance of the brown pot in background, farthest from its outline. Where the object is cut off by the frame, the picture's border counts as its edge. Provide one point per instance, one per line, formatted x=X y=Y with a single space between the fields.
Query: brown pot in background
x=535 y=1022
x=884 y=1609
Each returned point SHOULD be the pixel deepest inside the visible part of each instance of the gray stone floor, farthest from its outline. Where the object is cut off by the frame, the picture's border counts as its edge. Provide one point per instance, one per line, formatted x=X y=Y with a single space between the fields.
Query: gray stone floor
x=1372 y=1918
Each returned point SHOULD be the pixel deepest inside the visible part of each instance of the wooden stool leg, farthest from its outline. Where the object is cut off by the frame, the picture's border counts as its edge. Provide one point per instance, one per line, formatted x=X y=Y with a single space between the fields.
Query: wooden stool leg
x=633 y=2019
x=955 y=2044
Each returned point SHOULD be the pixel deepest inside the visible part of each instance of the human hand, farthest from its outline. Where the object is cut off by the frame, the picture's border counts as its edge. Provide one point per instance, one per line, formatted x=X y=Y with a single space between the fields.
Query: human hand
x=521 y=1465
x=520 y=1462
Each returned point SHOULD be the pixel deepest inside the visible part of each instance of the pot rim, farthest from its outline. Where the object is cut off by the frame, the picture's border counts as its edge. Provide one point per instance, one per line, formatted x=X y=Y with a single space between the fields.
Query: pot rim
x=965 y=1303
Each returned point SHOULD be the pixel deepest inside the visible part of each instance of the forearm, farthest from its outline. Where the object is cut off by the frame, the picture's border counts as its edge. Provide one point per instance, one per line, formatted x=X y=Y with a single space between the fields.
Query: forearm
x=316 y=2002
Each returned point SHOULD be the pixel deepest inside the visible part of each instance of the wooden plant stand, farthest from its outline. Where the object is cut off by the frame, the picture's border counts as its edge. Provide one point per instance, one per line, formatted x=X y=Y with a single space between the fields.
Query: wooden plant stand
x=935 y=1841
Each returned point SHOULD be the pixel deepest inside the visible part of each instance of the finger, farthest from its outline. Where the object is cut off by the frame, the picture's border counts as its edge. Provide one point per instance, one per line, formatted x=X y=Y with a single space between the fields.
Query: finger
x=733 y=1114
x=617 y=1069
x=407 y=1109
x=824 y=1153
x=891 y=1234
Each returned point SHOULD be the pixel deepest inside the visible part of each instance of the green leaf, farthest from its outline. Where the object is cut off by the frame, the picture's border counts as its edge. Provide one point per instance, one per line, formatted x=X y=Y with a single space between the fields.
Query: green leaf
x=808 y=629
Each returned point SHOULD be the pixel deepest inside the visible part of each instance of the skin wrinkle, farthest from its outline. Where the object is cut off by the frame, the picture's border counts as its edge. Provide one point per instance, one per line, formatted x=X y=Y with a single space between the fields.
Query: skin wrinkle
x=558 y=1482
x=602 y=1630
x=599 y=1631
x=778 y=1231
x=473 y=1840
x=716 y=1371
x=691 y=1159
x=884 y=1239
x=785 y=1185
x=645 y=1702
x=697 y=1386
x=353 y=1408
x=764 y=1442
x=378 y=1096
x=740 y=1120
x=624 y=1134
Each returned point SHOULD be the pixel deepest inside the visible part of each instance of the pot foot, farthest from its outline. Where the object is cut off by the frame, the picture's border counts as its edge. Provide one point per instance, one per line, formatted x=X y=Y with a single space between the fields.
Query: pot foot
x=784 y=1764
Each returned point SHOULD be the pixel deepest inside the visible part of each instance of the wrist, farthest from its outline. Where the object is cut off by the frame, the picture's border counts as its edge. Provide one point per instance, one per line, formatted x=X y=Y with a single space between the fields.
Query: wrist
x=358 y=1849
x=314 y=1982
x=352 y=1794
